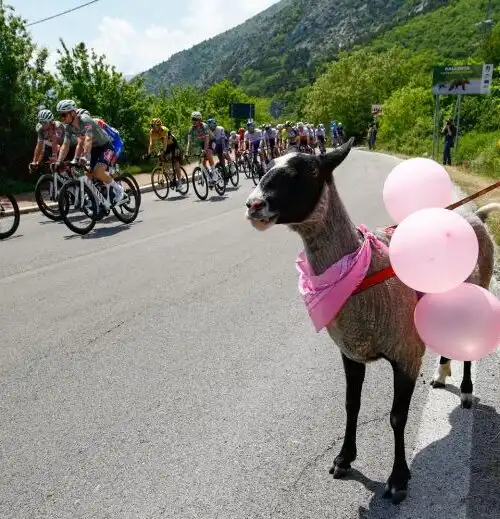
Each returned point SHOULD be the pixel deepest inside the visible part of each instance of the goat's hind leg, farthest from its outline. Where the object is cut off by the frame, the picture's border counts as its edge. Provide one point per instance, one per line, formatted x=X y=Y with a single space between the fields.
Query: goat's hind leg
x=355 y=376
x=466 y=387
x=443 y=371
x=397 y=484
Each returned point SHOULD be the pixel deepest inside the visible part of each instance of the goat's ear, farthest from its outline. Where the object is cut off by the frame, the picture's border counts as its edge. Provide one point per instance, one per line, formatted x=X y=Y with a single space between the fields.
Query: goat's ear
x=333 y=159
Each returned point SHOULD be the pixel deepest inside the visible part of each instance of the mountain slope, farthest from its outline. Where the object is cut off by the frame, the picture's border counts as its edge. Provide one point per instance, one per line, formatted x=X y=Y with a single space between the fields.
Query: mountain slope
x=284 y=44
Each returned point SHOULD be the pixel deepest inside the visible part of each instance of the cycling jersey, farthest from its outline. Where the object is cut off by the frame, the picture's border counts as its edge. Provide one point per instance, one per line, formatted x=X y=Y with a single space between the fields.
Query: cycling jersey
x=320 y=132
x=234 y=139
x=55 y=129
x=255 y=136
x=270 y=134
x=86 y=126
x=290 y=134
x=219 y=135
x=199 y=133
x=158 y=135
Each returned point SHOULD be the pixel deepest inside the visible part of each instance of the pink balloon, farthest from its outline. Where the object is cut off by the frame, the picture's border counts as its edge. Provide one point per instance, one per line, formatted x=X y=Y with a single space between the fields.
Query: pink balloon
x=416 y=184
x=495 y=303
x=433 y=250
x=458 y=324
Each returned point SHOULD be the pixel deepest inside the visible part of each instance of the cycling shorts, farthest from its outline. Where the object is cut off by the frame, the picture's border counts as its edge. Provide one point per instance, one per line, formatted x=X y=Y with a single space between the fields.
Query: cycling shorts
x=101 y=155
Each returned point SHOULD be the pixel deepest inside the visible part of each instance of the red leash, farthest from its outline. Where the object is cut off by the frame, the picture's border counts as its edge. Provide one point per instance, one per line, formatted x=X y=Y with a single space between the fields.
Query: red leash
x=388 y=272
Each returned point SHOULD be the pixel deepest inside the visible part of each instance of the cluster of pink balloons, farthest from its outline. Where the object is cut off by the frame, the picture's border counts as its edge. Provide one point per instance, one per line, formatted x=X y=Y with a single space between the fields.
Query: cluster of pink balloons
x=434 y=250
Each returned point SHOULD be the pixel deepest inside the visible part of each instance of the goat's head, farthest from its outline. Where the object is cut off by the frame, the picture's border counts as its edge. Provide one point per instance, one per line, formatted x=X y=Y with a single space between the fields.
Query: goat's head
x=291 y=188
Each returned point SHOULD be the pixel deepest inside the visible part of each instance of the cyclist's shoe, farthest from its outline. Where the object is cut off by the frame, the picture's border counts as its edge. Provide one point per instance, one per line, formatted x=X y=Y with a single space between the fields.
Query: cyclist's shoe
x=119 y=194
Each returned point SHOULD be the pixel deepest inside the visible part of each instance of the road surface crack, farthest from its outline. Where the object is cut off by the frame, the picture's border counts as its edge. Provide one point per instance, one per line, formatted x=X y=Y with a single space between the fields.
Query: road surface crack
x=312 y=462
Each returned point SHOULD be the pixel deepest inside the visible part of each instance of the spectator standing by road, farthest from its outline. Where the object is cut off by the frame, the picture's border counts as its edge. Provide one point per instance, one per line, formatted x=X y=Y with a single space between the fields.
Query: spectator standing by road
x=449 y=133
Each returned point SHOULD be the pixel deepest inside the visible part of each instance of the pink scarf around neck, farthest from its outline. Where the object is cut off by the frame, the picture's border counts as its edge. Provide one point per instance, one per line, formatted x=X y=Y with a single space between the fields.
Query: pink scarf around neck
x=324 y=295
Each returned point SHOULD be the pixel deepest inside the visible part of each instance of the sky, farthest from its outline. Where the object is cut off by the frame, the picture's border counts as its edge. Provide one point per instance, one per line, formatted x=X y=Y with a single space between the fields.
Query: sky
x=134 y=34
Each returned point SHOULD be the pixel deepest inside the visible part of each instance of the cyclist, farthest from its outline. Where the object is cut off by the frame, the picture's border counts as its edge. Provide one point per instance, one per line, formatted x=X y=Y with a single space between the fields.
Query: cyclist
x=219 y=141
x=234 y=141
x=290 y=135
x=254 y=140
x=303 y=135
x=270 y=138
x=170 y=148
x=241 y=133
x=50 y=135
x=199 y=136
x=341 y=134
x=320 y=135
x=94 y=147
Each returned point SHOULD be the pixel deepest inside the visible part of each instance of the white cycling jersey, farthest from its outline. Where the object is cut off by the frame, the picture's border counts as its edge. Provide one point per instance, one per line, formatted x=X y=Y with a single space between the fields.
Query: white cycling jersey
x=254 y=136
x=218 y=134
x=234 y=139
x=270 y=134
x=320 y=132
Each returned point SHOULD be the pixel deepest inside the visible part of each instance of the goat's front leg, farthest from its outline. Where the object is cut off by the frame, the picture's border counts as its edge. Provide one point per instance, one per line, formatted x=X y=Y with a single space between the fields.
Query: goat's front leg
x=397 y=484
x=355 y=375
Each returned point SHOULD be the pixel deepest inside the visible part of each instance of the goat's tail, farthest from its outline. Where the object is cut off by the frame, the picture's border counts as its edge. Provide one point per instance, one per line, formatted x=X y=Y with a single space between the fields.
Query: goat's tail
x=486 y=210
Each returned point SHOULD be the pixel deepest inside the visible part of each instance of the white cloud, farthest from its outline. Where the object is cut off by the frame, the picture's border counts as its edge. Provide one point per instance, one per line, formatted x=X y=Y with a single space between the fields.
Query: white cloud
x=132 y=51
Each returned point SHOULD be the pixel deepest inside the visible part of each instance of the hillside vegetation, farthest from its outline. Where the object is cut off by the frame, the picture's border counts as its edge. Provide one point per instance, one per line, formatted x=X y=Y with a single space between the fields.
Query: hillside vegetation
x=284 y=47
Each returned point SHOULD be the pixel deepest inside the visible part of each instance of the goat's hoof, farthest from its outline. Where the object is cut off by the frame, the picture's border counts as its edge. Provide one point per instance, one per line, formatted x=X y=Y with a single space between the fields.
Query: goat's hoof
x=338 y=472
x=466 y=400
x=436 y=384
x=396 y=496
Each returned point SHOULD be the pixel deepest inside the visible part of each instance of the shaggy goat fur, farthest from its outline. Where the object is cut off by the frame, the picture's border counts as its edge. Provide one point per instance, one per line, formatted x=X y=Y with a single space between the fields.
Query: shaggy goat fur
x=299 y=191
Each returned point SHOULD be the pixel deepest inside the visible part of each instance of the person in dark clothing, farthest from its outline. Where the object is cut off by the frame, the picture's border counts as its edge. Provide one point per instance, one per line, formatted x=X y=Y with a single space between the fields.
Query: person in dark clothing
x=372 y=135
x=449 y=133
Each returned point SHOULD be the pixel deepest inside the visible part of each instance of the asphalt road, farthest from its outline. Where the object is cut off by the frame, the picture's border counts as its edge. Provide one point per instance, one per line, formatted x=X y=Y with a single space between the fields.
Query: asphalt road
x=169 y=369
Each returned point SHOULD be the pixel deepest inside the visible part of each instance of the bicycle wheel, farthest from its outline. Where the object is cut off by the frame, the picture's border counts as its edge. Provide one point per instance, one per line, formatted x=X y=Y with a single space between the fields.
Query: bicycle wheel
x=255 y=172
x=220 y=185
x=184 y=186
x=160 y=183
x=200 y=183
x=134 y=181
x=248 y=167
x=234 y=174
x=46 y=193
x=128 y=209
x=9 y=216
x=78 y=207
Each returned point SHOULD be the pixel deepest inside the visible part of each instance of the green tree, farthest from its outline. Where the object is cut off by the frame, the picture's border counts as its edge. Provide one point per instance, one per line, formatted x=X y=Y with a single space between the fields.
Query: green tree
x=24 y=86
x=97 y=86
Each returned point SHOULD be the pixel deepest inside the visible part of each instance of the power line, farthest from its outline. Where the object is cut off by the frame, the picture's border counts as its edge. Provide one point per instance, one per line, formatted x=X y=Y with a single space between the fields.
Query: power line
x=60 y=14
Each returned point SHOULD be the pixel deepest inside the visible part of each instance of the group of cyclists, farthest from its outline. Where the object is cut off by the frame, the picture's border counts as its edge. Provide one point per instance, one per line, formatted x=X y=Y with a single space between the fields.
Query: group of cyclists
x=90 y=142
x=95 y=145
x=209 y=139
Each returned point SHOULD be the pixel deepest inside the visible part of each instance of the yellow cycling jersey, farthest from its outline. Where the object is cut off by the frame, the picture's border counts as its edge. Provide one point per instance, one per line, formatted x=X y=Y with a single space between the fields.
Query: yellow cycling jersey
x=159 y=135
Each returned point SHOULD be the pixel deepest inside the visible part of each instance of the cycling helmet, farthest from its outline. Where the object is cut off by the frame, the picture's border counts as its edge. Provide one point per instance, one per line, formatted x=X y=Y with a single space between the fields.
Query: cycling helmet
x=267 y=126
x=300 y=125
x=250 y=123
x=233 y=133
x=66 y=105
x=82 y=111
x=196 y=116
x=241 y=130
x=288 y=124
x=45 y=116
x=156 y=122
x=212 y=122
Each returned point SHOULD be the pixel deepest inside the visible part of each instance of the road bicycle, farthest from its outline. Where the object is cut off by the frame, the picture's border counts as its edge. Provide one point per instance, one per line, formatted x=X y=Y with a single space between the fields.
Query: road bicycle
x=202 y=180
x=84 y=201
x=48 y=187
x=256 y=168
x=9 y=215
x=163 y=179
x=229 y=172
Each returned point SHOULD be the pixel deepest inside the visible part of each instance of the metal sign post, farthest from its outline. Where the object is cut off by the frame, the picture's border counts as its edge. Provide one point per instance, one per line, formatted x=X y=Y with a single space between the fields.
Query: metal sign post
x=456 y=118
